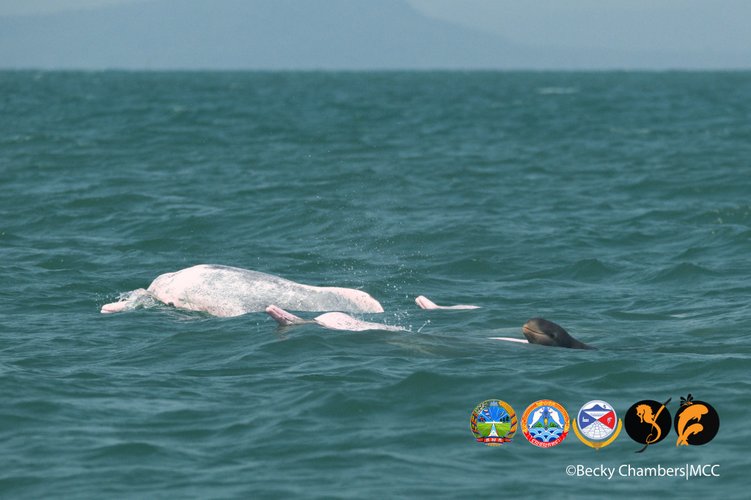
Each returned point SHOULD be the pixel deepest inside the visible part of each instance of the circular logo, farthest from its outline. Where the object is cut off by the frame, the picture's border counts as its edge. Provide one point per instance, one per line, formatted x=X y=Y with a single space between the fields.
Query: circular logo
x=545 y=423
x=648 y=422
x=696 y=422
x=493 y=422
x=597 y=424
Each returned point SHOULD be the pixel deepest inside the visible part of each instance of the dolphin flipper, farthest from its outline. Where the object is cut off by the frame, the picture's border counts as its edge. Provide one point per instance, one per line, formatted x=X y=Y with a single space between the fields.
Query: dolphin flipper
x=285 y=318
x=426 y=303
x=332 y=321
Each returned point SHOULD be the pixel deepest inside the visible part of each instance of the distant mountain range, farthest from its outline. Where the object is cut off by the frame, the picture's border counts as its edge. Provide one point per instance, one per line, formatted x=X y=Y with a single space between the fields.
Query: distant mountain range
x=279 y=34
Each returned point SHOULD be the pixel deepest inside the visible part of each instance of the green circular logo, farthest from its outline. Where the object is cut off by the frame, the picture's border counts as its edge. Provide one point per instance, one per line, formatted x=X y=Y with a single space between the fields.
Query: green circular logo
x=493 y=422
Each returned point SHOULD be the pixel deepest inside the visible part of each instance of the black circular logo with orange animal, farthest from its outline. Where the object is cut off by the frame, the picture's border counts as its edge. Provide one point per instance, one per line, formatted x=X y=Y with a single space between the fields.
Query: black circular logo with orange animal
x=648 y=422
x=696 y=422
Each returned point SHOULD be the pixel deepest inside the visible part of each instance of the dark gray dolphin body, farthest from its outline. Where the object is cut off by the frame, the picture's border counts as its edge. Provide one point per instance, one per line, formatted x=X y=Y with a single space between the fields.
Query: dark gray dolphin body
x=544 y=332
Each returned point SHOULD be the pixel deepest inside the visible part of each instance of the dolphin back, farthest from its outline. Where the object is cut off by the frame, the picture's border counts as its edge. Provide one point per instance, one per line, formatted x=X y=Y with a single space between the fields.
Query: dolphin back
x=232 y=291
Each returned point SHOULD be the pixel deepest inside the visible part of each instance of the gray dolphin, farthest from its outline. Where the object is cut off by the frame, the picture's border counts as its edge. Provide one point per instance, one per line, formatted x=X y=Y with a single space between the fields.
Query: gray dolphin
x=544 y=332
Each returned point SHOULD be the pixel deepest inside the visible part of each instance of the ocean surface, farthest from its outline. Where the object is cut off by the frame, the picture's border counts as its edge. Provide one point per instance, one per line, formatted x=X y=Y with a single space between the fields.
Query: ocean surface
x=616 y=204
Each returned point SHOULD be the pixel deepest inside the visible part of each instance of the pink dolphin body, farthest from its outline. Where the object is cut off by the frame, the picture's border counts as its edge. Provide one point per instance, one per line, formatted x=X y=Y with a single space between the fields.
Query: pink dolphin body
x=230 y=291
x=426 y=303
x=331 y=320
x=341 y=321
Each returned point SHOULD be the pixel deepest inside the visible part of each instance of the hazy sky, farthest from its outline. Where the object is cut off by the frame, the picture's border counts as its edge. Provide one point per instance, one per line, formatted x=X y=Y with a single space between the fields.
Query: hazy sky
x=707 y=25
x=695 y=25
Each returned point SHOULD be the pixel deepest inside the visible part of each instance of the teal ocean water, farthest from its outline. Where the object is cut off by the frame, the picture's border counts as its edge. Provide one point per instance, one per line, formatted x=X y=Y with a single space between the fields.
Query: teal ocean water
x=615 y=204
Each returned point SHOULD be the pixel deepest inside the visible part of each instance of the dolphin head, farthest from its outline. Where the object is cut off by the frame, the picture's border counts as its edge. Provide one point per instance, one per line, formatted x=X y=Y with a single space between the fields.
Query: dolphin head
x=544 y=332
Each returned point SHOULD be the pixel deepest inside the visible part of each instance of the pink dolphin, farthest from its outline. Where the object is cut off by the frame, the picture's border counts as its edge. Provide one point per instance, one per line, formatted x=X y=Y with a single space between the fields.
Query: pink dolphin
x=230 y=291
x=331 y=320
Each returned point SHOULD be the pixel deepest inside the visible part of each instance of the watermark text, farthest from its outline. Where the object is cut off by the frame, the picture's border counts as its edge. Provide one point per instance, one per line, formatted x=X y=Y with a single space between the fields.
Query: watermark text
x=687 y=471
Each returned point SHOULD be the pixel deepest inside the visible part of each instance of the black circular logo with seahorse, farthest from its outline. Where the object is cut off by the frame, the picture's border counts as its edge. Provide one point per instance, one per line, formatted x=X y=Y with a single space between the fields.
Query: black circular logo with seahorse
x=648 y=422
